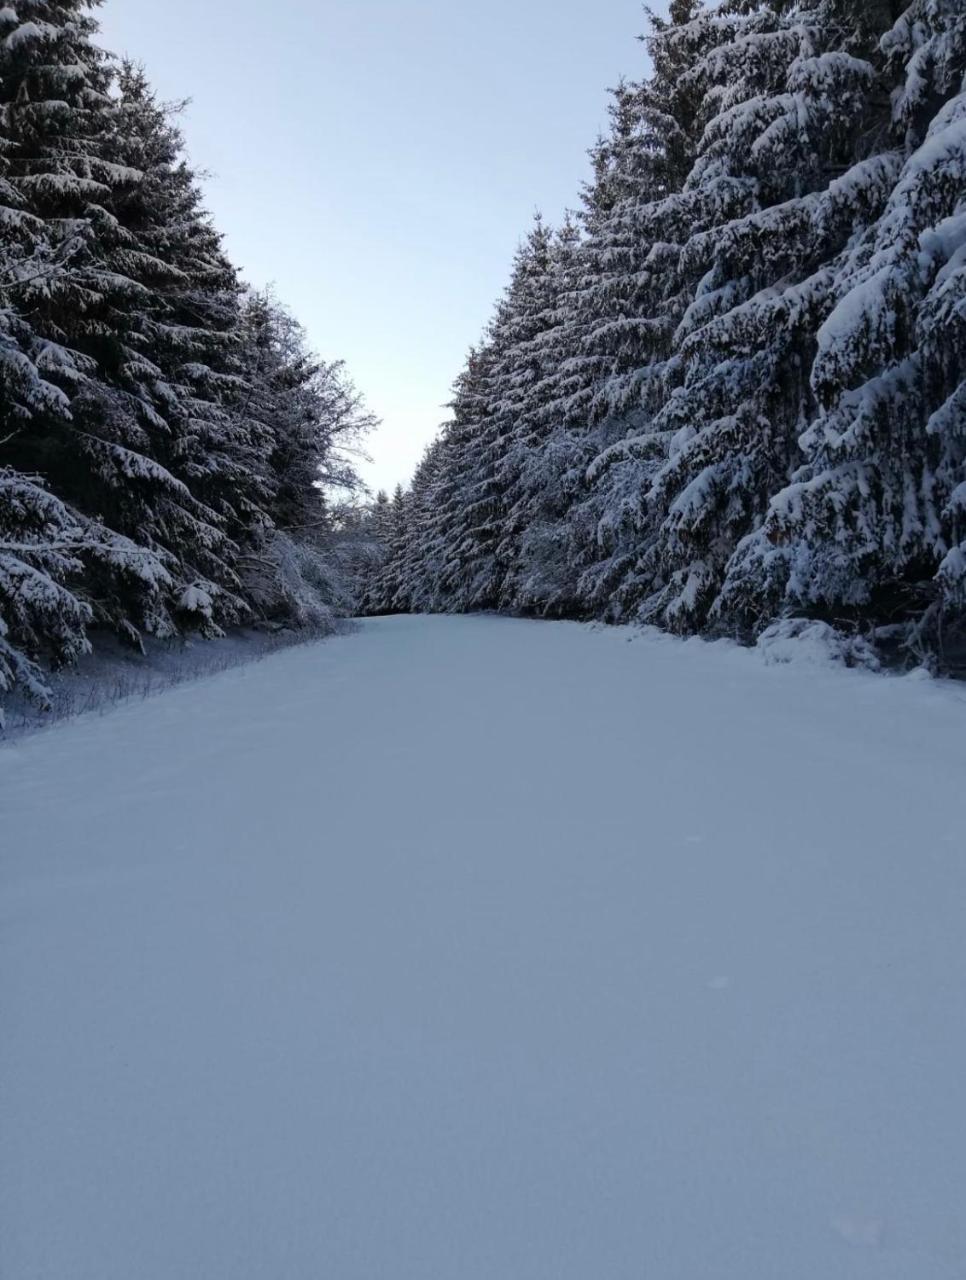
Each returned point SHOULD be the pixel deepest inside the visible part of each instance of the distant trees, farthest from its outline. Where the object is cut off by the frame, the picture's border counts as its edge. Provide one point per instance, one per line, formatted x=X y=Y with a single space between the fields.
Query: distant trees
x=166 y=438
x=733 y=389
x=311 y=418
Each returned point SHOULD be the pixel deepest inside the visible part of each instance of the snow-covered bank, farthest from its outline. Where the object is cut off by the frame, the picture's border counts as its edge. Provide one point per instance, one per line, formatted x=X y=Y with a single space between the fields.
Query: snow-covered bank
x=114 y=672
x=469 y=948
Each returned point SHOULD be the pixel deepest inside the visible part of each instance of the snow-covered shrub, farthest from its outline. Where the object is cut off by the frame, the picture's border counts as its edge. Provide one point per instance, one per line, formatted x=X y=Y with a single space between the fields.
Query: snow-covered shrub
x=302 y=584
x=813 y=643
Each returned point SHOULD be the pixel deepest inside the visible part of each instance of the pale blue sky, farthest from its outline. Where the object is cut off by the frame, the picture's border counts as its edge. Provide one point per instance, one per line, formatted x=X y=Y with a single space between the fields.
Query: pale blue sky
x=379 y=160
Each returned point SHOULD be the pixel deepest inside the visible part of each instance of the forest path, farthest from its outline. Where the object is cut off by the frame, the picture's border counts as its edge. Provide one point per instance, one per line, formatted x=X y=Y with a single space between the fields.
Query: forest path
x=476 y=949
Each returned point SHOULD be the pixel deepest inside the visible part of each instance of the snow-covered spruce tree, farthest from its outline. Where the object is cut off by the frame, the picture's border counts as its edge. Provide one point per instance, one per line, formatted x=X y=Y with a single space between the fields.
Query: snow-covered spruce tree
x=470 y=564
x=381 y=517
x=435 y=564
x=872 y=525
x=455 y=503
x=551 y=445
x=451 y=557
x=180 y=376
x=633 y=297
x=466 y=497
x=53 y=108
x=617 y=300
x=790 y=166
x=524 y=339
x=544 y=460
x=384 y=588
x=371 y=551
x=496 y=500
x=411 y=580
x=629 y=292
x=75 y=297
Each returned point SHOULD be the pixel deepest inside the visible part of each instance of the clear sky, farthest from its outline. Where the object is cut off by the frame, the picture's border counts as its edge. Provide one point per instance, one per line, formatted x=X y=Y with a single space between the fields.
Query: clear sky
x=379 y=160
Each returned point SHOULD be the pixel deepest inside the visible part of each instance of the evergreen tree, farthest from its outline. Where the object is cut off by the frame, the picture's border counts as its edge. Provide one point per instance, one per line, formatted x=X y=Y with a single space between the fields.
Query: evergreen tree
x=180 y=376
x=782 y=182
x=875 y=512
x=544 y=461
x=75 y=297
x=484 y=475
x=634 y=297
x=384 y=592
x=454 y=509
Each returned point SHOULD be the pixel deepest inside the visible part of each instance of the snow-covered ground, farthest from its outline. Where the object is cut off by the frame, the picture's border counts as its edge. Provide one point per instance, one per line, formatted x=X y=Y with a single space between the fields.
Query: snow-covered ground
x=473 y=949
x=114 y=672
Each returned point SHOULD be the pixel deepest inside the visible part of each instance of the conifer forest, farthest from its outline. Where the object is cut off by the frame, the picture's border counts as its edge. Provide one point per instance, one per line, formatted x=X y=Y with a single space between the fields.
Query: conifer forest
x=729 y=393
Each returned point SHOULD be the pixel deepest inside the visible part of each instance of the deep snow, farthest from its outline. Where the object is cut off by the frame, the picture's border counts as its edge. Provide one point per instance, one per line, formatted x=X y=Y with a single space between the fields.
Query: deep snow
x=473 y=949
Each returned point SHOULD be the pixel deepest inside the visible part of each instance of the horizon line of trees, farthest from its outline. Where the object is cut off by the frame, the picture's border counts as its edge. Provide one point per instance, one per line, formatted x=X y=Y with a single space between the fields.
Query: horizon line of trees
x=730 y=391
x=172 y=454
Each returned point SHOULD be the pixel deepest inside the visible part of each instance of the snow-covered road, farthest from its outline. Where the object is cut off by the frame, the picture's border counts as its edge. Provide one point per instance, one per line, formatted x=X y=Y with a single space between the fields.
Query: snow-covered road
x=473 y=949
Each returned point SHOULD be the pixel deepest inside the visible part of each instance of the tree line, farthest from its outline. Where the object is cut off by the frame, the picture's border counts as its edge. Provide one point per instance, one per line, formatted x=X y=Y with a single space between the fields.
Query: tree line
x=729 y=392
x=171 y=451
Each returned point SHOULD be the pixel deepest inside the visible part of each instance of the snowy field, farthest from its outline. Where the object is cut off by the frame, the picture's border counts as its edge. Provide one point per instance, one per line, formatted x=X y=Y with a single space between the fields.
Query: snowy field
x=473 y=949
